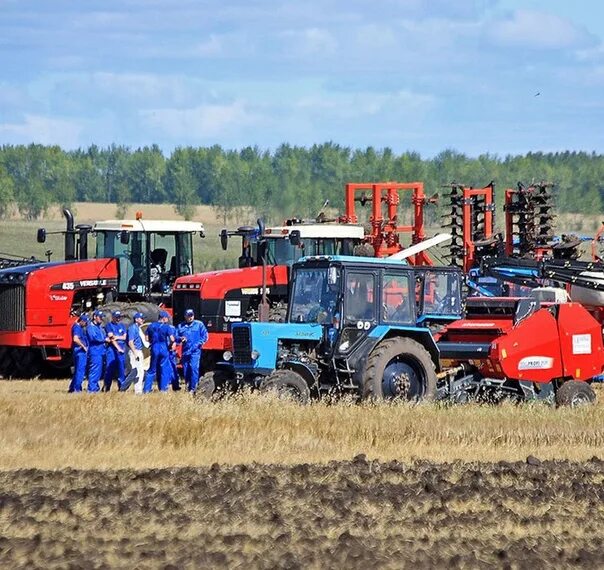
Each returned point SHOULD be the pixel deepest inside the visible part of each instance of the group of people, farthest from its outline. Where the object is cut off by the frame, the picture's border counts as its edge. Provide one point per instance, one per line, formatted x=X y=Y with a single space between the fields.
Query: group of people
x=100 y=351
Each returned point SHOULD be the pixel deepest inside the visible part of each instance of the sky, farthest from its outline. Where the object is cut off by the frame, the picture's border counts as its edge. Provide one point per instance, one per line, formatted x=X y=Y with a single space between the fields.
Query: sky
x=477 y=76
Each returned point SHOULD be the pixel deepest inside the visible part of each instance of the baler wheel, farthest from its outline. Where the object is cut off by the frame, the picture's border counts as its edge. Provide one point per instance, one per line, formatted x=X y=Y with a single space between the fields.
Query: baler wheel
x=287 y=383
x=574 y=394
x=399 y=368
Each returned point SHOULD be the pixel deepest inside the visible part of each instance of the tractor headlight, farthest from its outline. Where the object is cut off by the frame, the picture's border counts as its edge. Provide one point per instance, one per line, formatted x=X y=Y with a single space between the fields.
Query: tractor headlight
x=255 y=355
x=227 y=355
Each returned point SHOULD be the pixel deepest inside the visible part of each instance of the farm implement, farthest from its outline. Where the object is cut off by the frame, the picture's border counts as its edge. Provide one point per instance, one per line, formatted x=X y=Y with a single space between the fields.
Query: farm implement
x=383 y=330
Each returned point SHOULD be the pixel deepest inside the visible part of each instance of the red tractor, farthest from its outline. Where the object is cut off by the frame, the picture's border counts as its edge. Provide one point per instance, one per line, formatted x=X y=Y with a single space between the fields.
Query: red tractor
x=135 y=266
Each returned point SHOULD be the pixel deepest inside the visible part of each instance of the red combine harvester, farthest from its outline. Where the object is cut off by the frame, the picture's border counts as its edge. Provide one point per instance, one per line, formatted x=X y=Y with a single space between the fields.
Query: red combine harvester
x=136 y=264
x=258 y=289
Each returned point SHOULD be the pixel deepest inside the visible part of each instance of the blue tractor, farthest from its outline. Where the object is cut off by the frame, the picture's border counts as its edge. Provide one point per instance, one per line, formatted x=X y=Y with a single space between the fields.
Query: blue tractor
x=354 y=325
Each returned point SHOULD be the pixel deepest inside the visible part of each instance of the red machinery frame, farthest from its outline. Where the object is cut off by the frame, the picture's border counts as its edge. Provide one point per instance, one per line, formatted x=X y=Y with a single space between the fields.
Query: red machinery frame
x=385 y=228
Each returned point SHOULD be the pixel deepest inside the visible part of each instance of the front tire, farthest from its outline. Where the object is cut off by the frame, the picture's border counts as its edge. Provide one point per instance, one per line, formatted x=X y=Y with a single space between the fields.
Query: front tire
x=575 y=394
x=215 y=385
x=288 y=384
x=399 y=369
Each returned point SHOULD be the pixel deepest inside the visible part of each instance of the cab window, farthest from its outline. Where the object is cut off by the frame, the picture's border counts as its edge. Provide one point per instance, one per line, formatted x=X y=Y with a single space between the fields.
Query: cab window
x=396 y=300
x=441 y=293
x=359 y=298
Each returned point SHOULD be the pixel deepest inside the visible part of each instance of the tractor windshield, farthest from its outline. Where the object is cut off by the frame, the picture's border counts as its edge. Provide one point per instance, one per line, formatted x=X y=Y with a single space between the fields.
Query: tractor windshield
x=314 y=295
x=280 y=251
x=150 y=261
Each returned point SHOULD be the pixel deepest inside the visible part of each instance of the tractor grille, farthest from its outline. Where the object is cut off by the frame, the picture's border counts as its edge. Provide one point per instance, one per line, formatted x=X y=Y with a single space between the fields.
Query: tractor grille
x=12 y=308
x=242 y=345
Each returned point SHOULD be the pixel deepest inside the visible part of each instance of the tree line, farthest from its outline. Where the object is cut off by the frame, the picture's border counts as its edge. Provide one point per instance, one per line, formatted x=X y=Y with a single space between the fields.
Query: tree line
x=290 y=180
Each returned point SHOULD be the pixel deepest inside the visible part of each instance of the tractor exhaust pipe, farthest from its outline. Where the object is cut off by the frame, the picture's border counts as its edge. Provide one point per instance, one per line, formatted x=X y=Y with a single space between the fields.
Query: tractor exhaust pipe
x=70 y=245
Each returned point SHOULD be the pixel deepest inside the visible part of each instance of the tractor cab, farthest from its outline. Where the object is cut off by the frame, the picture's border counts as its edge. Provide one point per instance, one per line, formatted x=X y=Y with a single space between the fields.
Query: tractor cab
x=151 y=254
x=356 y=296
x=284 y=245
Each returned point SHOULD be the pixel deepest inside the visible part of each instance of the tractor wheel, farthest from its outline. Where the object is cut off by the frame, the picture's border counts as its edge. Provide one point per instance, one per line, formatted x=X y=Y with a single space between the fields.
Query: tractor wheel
x=27 y=363
x=288 y=384
x=574 y=394
x=215 y=385
x=399 y=368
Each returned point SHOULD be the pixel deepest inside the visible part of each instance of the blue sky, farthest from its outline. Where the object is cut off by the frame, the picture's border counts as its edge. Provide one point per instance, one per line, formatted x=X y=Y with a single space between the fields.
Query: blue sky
x=497 y=76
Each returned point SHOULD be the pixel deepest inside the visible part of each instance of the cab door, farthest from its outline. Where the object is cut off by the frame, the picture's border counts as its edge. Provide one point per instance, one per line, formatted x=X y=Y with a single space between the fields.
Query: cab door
x=360 y=308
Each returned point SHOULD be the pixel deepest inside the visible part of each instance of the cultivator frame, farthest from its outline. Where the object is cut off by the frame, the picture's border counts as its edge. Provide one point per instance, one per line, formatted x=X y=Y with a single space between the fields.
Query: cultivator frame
x=472 y=219
x=385 y=231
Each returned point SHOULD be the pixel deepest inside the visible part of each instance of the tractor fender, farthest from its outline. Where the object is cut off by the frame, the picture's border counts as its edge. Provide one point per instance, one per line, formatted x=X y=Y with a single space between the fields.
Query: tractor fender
x=421 y=335
x=302 y=369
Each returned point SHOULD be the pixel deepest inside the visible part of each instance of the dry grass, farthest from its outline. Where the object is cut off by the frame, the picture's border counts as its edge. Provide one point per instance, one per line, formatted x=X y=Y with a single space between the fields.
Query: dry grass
x=42 y=426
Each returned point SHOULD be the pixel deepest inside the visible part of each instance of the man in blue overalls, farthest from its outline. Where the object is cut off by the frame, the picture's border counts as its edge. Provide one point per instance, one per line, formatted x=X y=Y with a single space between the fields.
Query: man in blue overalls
x=116 y=352
x=174 y=379
x=159 y=337
x=97 y=347
x=79 y=346
x=192 y=335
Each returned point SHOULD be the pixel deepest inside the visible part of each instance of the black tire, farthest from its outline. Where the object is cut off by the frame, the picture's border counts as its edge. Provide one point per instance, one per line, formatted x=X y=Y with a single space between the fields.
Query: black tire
x=574 y=394
x=287 y=383
x=399 y=368
x=215 y=385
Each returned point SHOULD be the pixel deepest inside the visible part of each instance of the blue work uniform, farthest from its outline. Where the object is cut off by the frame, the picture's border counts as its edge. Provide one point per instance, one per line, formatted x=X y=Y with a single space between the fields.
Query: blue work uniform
x=196 y=335
x=96 y=355
x=174 y=380
x=158 y=335
x=116 y=360
x=80 y=357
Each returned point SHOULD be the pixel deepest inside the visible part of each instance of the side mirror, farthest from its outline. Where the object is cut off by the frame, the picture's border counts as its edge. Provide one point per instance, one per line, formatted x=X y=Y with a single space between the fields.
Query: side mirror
x=41 y=235
x=124 y=237
x=261 y=227
x=224 y=239
x=294 y=237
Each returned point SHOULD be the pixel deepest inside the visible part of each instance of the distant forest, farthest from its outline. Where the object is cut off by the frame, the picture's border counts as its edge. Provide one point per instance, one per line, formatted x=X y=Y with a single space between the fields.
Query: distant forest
x=291 y=180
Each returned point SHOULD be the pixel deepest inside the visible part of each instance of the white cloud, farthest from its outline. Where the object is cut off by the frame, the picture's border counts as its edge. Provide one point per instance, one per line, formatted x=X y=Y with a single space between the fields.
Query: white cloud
x=213 y=46
x=541 y=30
x=42 y=130
x=199 y=123
x=367 y=104
x=310 y=42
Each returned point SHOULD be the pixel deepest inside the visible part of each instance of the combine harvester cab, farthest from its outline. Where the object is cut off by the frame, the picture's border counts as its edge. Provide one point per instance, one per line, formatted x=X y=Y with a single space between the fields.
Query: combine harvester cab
x=136 y=264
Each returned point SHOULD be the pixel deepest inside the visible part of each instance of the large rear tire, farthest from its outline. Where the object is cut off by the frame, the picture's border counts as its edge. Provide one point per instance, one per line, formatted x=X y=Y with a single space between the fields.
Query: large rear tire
x=287 y=384
x=575 y=394
x=399 y=369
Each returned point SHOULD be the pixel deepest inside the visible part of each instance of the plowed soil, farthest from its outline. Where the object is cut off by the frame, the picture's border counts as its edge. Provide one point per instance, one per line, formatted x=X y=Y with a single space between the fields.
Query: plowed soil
x=354 y=514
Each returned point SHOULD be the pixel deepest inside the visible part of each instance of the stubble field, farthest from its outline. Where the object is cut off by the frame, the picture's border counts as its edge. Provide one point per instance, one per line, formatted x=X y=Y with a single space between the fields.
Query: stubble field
x=115 y=480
